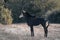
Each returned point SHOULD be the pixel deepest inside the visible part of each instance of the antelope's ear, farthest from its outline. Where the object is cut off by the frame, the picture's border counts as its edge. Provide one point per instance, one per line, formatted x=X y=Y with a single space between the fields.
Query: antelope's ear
x=24 y=11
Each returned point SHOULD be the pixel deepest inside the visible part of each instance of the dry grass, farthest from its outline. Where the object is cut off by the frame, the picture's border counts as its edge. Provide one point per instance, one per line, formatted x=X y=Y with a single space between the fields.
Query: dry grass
x=22 y=32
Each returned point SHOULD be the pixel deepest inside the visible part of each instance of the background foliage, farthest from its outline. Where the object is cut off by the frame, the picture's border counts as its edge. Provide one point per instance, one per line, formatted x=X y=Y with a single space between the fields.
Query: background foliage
x=40 y=8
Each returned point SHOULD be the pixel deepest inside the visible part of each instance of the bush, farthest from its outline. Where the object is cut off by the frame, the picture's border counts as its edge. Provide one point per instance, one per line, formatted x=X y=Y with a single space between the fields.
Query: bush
x=5 y=16
x=54 y=17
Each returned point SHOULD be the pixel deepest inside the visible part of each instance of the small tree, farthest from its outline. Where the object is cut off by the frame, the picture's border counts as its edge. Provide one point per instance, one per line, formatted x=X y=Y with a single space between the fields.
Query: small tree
x=45 y=5
x=5 y=16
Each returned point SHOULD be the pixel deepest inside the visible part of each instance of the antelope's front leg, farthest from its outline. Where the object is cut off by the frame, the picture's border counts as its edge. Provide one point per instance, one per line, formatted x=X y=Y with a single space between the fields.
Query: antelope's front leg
x=32 y=31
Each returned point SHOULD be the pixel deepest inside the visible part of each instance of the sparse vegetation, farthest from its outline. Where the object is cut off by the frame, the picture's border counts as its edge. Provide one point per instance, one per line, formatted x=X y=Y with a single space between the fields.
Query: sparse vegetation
x=36 y=7
x=5 y=15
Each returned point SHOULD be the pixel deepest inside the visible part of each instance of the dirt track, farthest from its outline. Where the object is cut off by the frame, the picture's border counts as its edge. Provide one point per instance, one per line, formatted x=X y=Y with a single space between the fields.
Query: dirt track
x=22 y=32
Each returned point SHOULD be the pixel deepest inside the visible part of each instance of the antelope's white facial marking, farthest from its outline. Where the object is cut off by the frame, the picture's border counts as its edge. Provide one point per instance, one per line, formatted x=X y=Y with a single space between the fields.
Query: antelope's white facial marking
x=21 y=15
x=24 y=11
x=47 y=23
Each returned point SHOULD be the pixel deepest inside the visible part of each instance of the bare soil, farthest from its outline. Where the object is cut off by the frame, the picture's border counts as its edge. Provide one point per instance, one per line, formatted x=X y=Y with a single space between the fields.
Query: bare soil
x=22 y=32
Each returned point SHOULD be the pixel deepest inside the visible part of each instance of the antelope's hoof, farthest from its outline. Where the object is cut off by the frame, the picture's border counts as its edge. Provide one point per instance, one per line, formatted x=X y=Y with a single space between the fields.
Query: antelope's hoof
x=32 y=35
x=45 y=35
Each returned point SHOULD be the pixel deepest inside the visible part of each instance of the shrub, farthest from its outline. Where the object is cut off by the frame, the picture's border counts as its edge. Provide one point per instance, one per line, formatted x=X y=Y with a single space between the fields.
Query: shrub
x=5 y=16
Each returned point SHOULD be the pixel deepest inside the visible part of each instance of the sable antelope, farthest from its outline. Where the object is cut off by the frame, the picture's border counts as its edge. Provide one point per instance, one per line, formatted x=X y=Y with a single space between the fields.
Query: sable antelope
x=34 y=21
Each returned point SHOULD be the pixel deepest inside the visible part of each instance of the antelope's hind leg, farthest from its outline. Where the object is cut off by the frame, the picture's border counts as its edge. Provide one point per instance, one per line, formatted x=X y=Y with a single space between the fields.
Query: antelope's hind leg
x=45 y=29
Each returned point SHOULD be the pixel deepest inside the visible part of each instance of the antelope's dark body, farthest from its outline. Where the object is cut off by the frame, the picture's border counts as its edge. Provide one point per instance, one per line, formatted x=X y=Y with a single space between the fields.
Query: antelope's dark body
x=34 y=21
